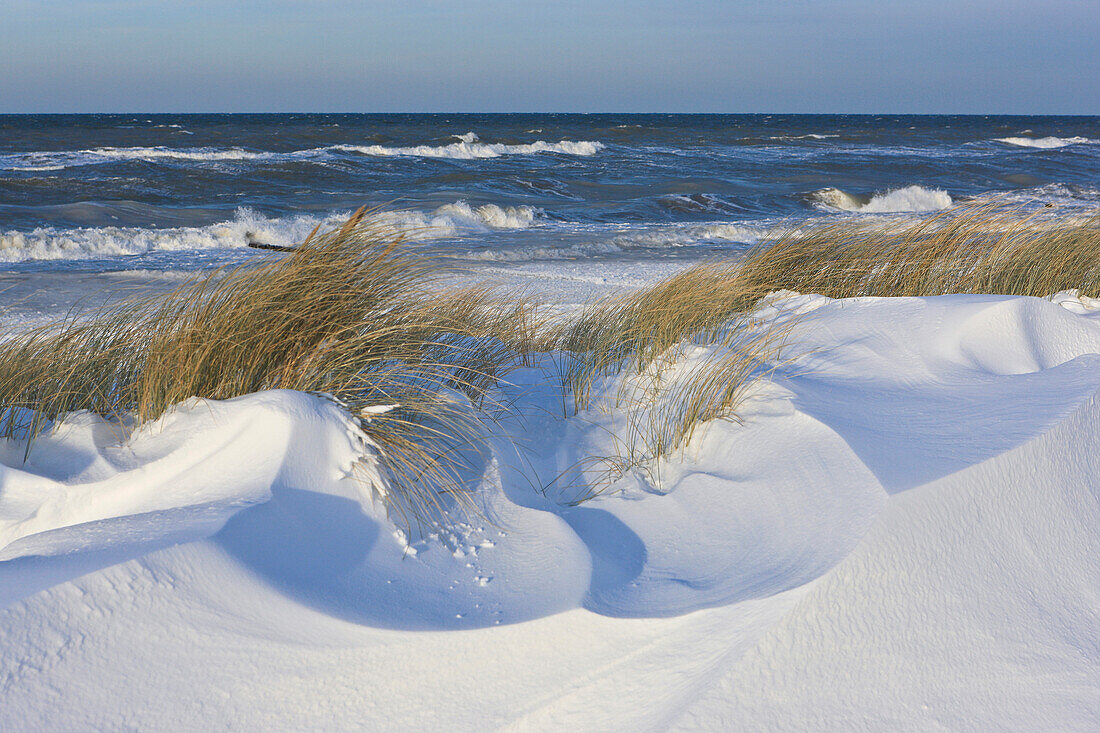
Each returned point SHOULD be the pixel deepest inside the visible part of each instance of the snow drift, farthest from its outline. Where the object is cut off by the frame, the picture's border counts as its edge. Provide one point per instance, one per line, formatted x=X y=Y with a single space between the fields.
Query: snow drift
x=901 y=534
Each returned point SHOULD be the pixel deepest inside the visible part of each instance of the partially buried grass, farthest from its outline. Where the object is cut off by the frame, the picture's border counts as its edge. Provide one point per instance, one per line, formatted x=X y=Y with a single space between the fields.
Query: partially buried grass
x=657 y=406
x=644 y=341
x=354 y=314
x=350 y=314
x=981 y=247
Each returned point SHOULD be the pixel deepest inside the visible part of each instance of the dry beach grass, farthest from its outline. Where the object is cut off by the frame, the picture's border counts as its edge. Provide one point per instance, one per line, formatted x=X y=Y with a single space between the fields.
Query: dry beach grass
x=980 y=247
x=347 y=315
x=354 y=314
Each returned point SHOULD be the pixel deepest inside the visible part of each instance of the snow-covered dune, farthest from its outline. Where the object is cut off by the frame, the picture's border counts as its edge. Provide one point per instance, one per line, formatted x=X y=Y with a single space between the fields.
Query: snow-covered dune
x=901 y=535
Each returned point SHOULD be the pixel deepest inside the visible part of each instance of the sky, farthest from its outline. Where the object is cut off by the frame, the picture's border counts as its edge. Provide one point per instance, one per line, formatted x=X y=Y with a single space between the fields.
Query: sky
x=815 y=56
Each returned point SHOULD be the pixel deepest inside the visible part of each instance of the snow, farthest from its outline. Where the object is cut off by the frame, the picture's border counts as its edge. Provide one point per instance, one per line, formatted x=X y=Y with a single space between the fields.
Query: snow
x=901 y=534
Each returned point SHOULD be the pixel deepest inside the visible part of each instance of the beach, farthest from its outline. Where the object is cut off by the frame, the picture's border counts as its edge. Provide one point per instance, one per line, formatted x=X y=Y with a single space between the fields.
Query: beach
x=635 y=422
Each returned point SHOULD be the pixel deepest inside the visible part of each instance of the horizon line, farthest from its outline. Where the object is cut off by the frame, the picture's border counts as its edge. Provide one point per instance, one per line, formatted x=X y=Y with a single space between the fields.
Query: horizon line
x=601 y=112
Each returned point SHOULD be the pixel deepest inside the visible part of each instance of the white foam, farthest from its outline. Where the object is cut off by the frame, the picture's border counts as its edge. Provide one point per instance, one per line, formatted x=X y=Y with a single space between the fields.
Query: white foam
x=35 y=167
x=469 y=147
x=59 y=159
x=449 y=220
x=459 y=218
x=48 y=243
x=908 y=199
x=160 y=152
x=579 y=250
x=686 y=235
x=1044 y=142
x=1063 y=198
x=807 y=136
x=473 y=150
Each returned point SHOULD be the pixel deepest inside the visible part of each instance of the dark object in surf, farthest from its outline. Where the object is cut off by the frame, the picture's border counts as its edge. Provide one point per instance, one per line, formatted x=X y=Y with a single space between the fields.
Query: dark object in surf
x=264 y=245
x=274 y=247
x=350 y=224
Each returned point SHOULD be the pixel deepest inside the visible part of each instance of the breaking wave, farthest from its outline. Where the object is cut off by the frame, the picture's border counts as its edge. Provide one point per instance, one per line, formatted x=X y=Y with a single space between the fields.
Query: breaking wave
x=908 y=199
x=85 y=243
x=458 y=219
x=48 y=243
x=1044 y=142
x=473 y=149
x=160 y=152
x=469 y=147
x=60 y=159
x=807 y=136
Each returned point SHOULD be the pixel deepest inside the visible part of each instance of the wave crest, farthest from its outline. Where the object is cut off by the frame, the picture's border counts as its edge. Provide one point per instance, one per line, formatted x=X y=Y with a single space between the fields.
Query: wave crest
x=471 y=150
x=1045 y=143
x=87 y=243
x=469 y=147
x=807 y=136
x=458 y=219
x=907 y=199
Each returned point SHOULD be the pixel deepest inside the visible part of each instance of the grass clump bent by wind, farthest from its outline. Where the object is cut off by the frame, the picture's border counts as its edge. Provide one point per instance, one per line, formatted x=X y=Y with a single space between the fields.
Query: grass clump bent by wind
x=350 y=314
x=980 y=247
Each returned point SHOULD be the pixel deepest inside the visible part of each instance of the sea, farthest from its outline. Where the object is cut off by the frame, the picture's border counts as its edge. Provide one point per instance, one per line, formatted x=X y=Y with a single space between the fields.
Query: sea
x=180 y=192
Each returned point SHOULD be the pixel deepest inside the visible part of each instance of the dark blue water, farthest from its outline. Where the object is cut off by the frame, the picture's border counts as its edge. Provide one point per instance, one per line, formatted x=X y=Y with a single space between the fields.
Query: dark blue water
x=110 y=191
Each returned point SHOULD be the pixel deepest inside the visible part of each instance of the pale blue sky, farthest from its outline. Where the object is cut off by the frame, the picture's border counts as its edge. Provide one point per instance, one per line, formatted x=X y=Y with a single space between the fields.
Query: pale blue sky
x=934 y=56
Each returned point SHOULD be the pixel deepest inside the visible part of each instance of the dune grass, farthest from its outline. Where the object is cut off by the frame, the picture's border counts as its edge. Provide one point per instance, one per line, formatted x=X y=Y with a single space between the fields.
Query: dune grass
x=356 y=315
x=350 y=314
x=657 y=406
x=982 y=247
x=635 y=328
x=643 y=342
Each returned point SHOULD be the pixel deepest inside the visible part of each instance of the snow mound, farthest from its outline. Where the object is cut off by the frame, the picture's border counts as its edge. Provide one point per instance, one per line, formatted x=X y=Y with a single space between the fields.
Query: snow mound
x=901 y=529
x=90 y=485
x=973 y=602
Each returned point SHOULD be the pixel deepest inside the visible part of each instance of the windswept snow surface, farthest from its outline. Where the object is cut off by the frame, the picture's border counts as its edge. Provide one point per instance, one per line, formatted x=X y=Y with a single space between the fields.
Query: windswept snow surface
x=901 y=535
